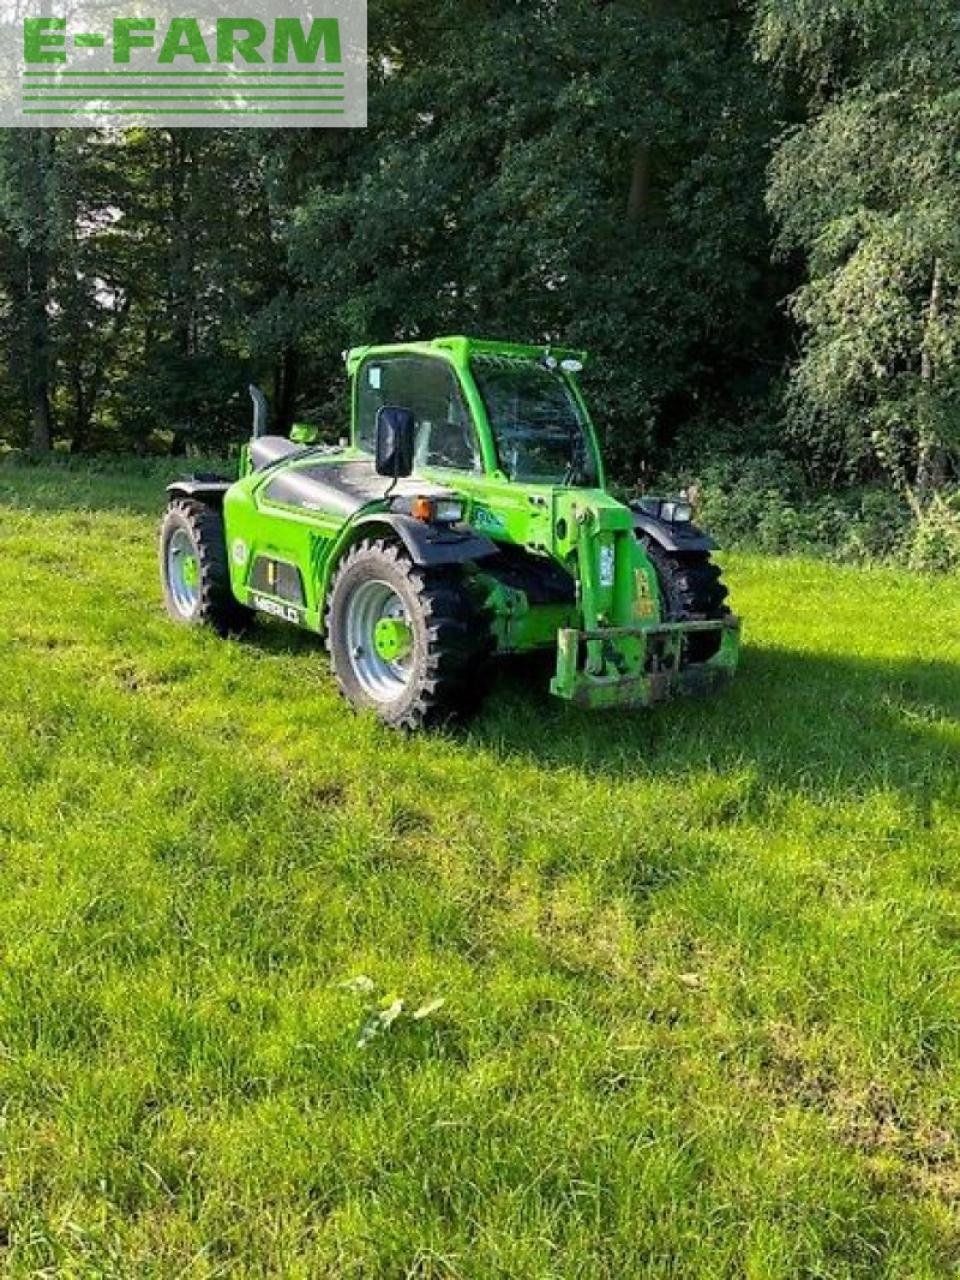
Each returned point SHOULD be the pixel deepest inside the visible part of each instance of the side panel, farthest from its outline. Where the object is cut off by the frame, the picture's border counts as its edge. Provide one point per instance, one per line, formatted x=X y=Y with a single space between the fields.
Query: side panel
x=282 y=558
x=269 y=549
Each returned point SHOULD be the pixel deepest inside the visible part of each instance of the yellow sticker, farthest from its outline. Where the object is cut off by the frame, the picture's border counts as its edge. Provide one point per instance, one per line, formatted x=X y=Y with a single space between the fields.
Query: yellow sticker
x=643 y=606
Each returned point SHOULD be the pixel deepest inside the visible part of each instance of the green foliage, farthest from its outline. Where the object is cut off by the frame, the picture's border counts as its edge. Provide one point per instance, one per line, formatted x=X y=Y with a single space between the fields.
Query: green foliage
x=591 y=174
x=700 y=1012
x=587 y=174
x=768 y=504
x=149 y=253
x=34 y=227
x=866 y=188
x=936 y=538
x=602 y=175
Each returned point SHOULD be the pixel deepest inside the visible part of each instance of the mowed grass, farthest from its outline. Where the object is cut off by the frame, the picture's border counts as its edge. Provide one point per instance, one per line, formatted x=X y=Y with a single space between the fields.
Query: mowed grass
x=700 y=967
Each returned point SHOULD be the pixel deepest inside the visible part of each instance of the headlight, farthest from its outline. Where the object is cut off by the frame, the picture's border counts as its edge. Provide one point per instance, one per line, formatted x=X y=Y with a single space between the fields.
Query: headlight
x=437 y=510
x=676 y=511
x=448 y=510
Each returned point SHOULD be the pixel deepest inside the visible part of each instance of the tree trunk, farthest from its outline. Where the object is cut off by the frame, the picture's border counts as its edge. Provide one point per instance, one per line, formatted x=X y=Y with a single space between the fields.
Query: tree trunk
x=36 y=305
x=285 y=388
x=38 y=353
x=41 y=426
x=181 y=246
x=638 y=199
x=931 y=456
x=29 y=355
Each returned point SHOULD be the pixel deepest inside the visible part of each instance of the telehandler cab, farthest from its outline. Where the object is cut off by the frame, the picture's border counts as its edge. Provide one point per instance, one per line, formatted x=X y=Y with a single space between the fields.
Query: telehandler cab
x=467 y=517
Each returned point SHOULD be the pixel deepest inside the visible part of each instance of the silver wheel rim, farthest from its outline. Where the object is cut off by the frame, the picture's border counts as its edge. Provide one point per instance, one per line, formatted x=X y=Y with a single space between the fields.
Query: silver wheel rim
x=380 y=679
x=180 y=553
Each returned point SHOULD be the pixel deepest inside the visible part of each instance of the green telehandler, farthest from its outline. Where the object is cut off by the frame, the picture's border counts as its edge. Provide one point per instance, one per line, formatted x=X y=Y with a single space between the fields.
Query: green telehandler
x=467 y=517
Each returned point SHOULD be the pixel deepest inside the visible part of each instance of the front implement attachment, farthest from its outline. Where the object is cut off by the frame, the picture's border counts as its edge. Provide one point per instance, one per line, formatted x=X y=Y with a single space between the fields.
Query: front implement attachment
x=640 y=666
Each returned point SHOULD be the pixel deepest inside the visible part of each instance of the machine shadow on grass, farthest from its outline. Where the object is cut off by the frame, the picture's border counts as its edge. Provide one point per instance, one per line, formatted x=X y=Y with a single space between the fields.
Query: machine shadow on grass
x=804 y=721
x=267 y=635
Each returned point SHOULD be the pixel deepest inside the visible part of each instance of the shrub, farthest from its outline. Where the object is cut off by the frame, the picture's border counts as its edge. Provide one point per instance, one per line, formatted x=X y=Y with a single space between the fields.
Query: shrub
x=766 y=503
x=935 y=544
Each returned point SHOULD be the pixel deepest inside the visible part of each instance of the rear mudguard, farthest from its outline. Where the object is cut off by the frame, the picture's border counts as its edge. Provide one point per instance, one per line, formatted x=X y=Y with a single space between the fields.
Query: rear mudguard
x=206 y=489
x=672 y=537
x=430 y=544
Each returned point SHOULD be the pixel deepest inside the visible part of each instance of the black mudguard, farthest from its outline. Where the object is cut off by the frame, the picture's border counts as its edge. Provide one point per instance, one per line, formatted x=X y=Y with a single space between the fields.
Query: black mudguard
x=431 y=544
x=672 y=537
x=206 y=489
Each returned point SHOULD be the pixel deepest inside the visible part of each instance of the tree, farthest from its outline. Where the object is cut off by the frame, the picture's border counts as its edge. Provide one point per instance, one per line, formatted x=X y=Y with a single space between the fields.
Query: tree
x=866 y=189
x=584 y=174
x=31 y=224
x=554 y=171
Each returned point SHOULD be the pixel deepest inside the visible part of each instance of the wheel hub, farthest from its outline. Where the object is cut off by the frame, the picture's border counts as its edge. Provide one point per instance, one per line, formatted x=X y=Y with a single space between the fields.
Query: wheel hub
x=379 y=640
x=183 y=573
x=392 y=639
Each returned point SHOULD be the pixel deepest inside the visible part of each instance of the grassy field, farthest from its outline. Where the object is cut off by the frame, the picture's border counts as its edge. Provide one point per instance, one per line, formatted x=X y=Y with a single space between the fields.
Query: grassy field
x=700 y=968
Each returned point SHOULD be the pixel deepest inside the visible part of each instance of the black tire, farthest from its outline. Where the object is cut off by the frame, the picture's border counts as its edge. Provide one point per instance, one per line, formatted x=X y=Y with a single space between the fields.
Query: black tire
x=214 y=605
x=441 y=677
x=692 y=591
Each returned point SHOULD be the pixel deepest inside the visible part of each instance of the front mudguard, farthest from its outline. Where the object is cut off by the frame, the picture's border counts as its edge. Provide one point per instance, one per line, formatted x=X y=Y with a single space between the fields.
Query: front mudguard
x=672 y=537
x=640 y=666
x=428 y=545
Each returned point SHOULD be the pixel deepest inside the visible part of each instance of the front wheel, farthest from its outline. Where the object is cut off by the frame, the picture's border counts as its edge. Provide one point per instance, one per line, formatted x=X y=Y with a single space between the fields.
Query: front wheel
x=405 y=641
x=692 y=591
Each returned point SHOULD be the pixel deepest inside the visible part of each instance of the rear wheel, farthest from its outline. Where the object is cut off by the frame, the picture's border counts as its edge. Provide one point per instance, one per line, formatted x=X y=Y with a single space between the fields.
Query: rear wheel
x=692 y=591
x=405 y=641
x=194 y=570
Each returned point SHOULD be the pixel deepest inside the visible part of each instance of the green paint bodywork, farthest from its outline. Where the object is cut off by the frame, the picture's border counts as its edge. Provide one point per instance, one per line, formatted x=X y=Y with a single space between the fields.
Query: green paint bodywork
x=613 y=647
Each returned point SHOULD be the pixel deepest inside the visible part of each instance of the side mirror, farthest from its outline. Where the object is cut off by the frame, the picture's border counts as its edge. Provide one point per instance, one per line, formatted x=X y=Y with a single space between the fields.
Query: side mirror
x=395 y=431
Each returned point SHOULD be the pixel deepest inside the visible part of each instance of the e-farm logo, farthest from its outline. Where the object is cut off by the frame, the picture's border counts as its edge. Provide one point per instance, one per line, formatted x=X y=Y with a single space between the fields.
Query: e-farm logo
x=103 y=62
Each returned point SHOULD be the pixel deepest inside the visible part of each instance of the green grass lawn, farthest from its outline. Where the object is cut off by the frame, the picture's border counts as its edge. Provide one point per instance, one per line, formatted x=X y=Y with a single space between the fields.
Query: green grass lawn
x=700 y=967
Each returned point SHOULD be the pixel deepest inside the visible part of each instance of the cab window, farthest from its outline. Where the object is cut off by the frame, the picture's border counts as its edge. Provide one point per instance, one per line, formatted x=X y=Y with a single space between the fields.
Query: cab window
x=428 y=388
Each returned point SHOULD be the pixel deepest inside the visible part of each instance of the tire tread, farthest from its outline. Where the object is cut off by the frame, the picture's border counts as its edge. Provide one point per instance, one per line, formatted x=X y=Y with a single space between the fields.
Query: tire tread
x=693 y=591
x=447 y=675
x=218 y=607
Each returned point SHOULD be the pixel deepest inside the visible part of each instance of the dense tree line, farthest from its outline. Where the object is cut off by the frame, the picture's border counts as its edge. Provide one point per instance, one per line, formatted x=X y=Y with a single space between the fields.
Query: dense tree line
x=748 y=214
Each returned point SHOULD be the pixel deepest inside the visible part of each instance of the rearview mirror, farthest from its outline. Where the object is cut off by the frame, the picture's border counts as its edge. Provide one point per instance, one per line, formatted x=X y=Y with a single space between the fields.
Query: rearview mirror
x=394 y=446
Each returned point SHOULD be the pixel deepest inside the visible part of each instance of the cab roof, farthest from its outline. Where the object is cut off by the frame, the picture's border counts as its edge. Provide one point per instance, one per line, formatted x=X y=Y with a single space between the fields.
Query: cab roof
x=461 y=348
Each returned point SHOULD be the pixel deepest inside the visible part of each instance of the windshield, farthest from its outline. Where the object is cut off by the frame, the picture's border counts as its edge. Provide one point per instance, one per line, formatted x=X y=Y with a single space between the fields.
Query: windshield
x=538 y=428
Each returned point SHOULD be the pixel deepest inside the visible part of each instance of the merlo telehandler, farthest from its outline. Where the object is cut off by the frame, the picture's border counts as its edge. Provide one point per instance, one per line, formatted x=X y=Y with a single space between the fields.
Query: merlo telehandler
x=467 y=517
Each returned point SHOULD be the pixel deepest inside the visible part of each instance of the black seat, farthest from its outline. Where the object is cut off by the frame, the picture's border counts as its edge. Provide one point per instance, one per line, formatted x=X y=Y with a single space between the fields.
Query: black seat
x=267 y=449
